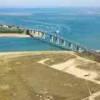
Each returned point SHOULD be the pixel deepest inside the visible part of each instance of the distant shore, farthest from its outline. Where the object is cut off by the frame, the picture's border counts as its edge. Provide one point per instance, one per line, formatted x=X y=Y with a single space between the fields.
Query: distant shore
x=13 y=35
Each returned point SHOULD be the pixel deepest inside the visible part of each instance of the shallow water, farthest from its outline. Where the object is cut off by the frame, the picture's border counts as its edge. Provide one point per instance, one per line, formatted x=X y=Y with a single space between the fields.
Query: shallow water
x=24 y=44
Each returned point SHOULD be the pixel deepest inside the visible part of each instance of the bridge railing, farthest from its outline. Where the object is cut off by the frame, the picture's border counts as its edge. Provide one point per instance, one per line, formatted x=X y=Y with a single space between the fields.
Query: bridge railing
x=56 y=40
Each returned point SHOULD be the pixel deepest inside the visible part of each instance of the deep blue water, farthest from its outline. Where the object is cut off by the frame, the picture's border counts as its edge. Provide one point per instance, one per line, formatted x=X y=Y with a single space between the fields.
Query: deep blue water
x=81 y=25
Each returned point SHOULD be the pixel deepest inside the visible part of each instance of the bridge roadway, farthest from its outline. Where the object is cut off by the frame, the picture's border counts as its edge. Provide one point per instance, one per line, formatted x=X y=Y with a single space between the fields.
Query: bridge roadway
x=56 y=40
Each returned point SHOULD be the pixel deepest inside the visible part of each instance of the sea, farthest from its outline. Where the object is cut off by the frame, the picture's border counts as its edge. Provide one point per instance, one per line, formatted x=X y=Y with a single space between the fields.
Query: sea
x=80 y=25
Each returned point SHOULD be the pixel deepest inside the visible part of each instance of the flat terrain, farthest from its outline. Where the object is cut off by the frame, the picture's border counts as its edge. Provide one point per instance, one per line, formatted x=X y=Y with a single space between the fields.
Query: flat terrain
x=48 y=76
x=13 y=35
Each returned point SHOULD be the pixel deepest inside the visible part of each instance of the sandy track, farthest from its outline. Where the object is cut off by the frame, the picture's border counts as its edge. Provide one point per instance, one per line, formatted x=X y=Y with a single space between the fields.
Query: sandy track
x=94 y=95
x=70 y=67
x=43 y=61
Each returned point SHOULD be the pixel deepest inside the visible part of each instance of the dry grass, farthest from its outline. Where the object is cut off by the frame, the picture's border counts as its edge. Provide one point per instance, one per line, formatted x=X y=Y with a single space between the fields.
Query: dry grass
x=22 y=78
x=97 y=98
x=92 y=56
x=90 y=66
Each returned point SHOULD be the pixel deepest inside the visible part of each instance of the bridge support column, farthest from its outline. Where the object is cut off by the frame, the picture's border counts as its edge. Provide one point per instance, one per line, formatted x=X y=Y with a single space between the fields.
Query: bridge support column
x=80 y=49
x=62 y=42
x=33 y=33
x=43 y=36
x=70 y=45
x=58 y=41
x=51 y=38
x=77 y=48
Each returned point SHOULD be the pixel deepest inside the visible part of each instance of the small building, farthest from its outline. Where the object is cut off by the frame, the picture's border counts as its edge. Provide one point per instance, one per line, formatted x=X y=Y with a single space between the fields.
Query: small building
x=5 y=26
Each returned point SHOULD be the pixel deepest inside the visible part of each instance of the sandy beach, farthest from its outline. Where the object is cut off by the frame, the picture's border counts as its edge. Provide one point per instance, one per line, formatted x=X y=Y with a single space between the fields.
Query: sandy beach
x=17 y=54
x=14 y=35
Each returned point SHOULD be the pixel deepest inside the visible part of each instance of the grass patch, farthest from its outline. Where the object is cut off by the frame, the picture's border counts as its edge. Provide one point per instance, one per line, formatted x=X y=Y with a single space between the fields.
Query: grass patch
x=92 y=56
x=29 y=80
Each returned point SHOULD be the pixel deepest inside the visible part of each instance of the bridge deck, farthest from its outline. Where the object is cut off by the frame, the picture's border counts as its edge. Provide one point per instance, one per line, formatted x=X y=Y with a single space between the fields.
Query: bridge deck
x=56 y=40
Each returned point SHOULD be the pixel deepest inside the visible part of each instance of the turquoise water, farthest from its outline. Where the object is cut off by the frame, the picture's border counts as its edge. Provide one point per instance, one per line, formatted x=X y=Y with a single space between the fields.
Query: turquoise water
x=81 y=25
x=24 y=44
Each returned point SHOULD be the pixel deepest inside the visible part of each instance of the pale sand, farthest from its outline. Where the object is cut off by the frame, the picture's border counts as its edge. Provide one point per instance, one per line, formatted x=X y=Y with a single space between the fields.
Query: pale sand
x=36 y=52
x=70 y=67
x=13 y=35
x=43 y=61
x=7 y=55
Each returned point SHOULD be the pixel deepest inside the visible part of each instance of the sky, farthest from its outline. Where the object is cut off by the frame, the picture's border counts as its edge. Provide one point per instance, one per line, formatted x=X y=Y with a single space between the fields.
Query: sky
x=49 y=3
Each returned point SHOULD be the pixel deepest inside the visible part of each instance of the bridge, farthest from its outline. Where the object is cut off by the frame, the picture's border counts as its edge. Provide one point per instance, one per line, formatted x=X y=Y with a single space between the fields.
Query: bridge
x=56 y=40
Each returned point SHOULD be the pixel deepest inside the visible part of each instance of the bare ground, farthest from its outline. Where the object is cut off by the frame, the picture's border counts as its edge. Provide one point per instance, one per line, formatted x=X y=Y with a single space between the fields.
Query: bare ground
x=47 y=76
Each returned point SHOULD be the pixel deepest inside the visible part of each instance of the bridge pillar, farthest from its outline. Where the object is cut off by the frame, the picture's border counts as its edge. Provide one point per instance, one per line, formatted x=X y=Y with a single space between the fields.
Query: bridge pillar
x=51 y=38
x=27 y=32
x=33 y=33
x=81 y=49
x=56 y=40
x=43 y=35
x=62 y=42
x=77 y=48
x=71 y=46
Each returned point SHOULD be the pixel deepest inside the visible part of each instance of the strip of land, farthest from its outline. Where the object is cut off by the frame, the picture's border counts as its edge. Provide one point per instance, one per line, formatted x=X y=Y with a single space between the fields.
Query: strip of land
x=13 y=35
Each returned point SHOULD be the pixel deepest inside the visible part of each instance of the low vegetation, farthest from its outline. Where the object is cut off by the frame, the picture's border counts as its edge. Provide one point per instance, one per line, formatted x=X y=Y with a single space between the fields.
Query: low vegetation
x=23 y=78
x=10 y=29
x=92 y=56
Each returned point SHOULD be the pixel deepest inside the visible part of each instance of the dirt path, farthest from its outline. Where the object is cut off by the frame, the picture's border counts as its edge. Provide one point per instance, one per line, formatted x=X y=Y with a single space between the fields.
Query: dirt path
x=70 y=67
x=94 y=95
x=43 y=61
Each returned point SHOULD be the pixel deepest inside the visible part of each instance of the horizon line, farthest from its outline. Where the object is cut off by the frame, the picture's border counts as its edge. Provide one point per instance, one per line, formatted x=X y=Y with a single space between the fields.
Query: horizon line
x=56 y=7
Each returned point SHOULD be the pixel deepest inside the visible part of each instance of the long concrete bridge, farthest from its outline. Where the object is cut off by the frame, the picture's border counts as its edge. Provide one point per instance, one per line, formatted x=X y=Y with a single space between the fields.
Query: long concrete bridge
x=56 y=40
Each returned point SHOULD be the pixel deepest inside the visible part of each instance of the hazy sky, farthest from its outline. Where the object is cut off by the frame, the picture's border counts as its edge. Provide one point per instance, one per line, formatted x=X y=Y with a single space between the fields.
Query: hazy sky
x=48 y=3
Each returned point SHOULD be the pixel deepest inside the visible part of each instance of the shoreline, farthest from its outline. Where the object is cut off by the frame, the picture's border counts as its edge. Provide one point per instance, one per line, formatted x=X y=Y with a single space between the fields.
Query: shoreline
x=7 y=55
x=34 y=52
x=14 y=35
x=17 y=35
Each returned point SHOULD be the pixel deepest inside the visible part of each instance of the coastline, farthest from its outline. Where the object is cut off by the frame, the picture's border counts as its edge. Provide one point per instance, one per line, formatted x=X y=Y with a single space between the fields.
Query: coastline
x=8 y=55
x=33 y=53
x=17 y=35
x=14 y=35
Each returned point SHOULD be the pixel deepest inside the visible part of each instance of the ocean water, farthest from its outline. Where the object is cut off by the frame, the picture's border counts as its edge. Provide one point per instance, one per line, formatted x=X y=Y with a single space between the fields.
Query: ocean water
x=80 y=25
x=24 y=44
